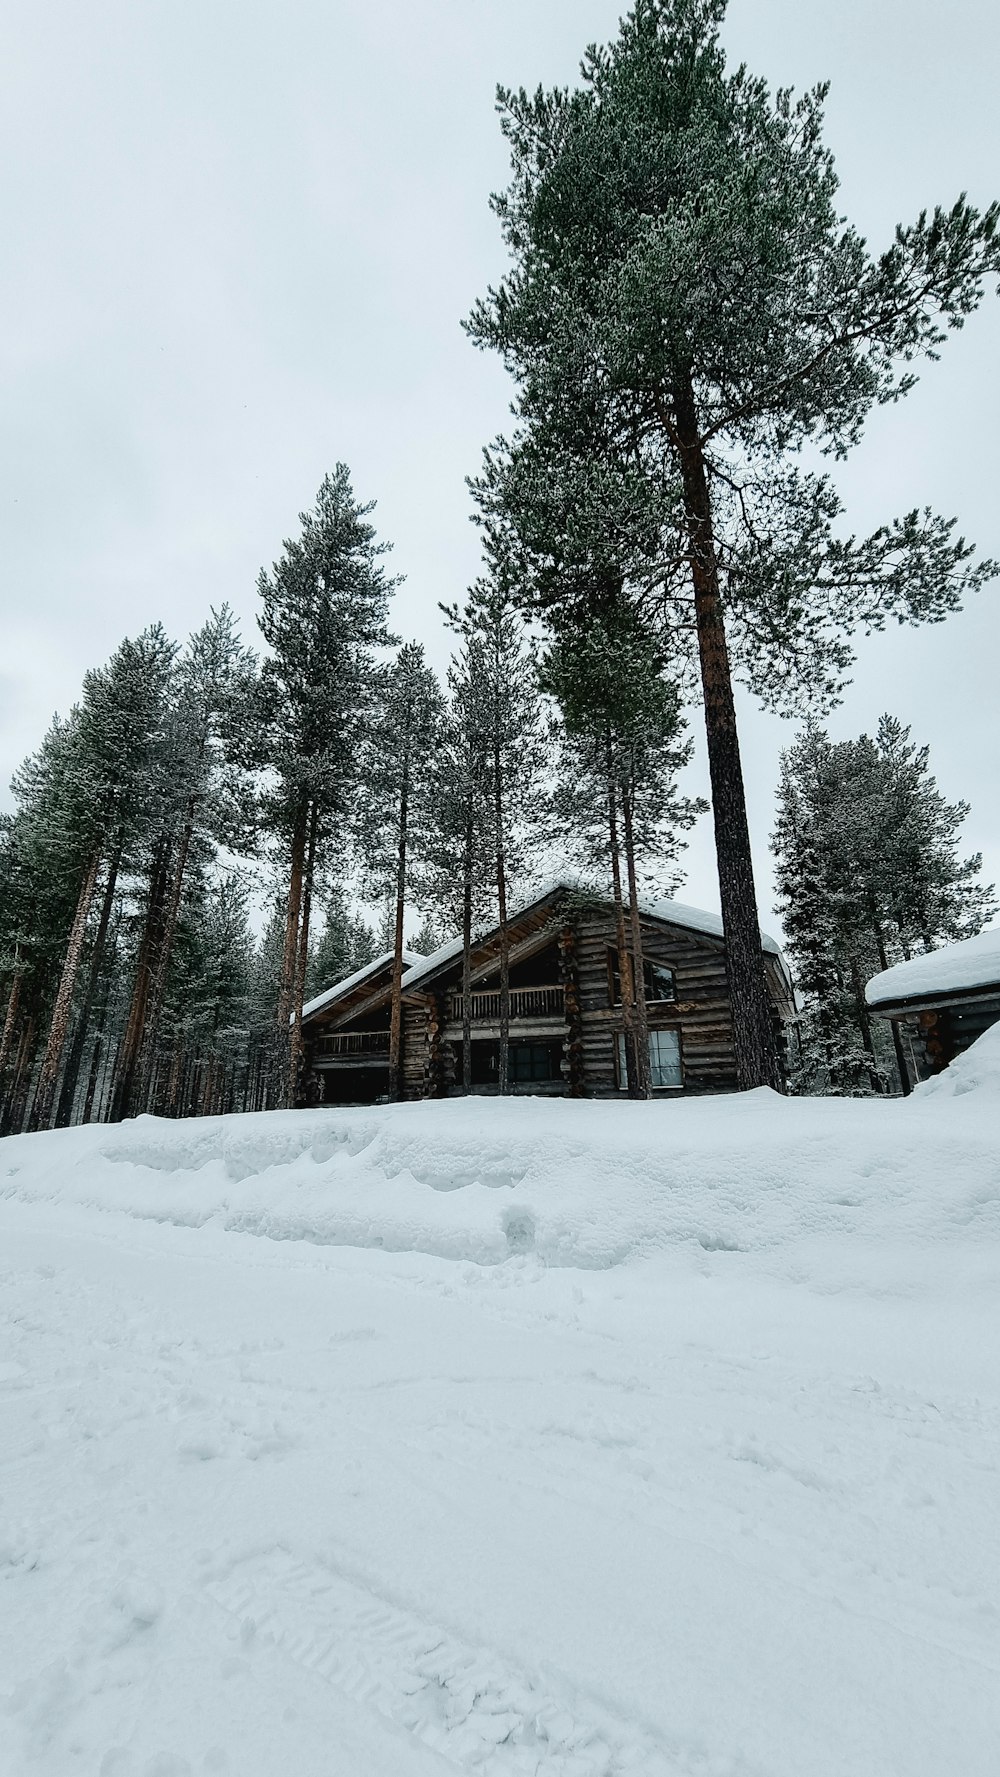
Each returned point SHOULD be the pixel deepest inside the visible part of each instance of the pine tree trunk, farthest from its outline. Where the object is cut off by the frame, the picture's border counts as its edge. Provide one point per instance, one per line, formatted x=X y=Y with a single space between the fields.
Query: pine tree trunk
x=396 y=1003
x=624 y=960
x=897 y=1037
x=467 y=957
x=15 y=1109
x=95 y=1065
x=10 y=1017
x=125 y=1094
x=171 y=916
x=756 y=1050
x=71 y=1073
x=286 y=992
x=295 y=1092
x=643 y=1077
x=503 y=1078
x=52 y=1060
x=864 y=1023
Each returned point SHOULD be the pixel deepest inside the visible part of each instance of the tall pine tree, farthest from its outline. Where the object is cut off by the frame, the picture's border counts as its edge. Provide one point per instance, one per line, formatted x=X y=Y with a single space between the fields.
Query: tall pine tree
x=683 y=285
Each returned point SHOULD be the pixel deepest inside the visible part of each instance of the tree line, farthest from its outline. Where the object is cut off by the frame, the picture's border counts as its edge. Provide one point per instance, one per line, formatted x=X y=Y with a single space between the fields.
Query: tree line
x=338 y=764
x=685 y=314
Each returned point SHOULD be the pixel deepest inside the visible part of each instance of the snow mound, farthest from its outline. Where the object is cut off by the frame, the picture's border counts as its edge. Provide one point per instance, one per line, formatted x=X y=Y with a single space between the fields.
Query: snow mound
x=977 y=1070
x=587 y=1184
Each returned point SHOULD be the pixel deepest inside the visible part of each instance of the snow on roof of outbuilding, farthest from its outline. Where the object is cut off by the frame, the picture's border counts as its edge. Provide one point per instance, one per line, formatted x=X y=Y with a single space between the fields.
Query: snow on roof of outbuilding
x=350 y=981
x=692 y=919
x=971 y=964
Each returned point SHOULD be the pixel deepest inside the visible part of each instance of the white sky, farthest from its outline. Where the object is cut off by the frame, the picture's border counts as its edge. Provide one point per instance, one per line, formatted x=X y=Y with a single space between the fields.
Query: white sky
x=238 y=238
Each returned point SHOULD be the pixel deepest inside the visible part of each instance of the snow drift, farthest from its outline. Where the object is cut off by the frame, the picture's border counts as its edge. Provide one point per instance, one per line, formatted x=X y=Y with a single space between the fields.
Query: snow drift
x=585 y=1184
x=532 y=1439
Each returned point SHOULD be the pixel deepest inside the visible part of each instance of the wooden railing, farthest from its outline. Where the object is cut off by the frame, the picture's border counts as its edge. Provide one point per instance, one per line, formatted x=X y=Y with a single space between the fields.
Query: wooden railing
x=346 y=1045
x=525 y=1002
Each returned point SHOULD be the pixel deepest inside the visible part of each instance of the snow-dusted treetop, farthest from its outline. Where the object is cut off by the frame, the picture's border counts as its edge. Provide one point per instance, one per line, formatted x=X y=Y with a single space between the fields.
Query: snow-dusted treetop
x=972 y=963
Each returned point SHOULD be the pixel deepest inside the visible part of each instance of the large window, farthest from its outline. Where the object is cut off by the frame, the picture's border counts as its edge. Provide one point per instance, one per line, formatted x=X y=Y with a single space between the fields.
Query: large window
x=528 y=1063
x=658 y=981
x=665 y=1070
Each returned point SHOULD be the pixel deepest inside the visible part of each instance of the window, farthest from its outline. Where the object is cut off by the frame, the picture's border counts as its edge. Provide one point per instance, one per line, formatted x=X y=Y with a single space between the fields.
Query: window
x=528 y=1063
x=535 y=1061
x=665 y=1070
x=658 y=981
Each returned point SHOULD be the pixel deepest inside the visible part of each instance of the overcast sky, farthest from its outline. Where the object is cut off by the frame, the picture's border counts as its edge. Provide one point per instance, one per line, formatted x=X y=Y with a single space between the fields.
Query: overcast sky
x=238 y=238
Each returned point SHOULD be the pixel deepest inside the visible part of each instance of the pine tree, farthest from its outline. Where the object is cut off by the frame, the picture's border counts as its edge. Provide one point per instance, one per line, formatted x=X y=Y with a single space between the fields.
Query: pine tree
x=323 y=616
x=683 y=288
x=621 y=747
x=511 y=733
x=395 y=805
x=459 y=855
x=108 y=786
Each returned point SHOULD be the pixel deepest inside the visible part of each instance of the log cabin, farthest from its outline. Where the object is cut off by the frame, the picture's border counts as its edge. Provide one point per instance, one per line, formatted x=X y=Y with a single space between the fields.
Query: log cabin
x=940 y=1002
x=566 y=1030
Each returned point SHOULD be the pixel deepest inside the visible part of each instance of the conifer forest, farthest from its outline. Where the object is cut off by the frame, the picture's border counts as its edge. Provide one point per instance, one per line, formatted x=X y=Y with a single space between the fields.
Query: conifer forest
x=223 y=825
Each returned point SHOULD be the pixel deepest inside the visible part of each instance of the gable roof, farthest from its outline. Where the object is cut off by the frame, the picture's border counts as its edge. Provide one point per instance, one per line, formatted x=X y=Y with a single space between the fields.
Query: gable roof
x=970 y=966
x=677 y=913
x=340 y=988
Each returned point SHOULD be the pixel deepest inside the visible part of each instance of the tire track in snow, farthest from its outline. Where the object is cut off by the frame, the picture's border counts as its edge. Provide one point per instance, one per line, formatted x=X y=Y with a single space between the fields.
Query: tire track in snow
x=464 y=1702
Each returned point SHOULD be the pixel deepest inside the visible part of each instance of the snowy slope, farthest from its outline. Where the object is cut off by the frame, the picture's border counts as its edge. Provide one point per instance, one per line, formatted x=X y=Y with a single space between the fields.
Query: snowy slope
x=571 y=1440
x=975 y=962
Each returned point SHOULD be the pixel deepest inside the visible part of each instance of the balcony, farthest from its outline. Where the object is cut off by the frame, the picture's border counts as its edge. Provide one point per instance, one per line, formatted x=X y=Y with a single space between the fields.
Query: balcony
x=368 y=1047
x=525 y=1002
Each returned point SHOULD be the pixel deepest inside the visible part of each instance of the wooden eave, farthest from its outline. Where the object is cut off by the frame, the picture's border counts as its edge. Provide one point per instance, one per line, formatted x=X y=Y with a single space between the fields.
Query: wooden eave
x=941 y=1001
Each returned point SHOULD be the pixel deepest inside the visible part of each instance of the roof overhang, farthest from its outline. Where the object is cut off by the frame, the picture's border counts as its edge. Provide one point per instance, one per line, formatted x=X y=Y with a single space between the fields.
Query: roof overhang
x=938 y=1001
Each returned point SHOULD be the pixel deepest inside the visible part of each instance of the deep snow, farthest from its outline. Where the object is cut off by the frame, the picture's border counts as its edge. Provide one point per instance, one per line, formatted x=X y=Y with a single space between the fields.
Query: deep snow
x=956 y=968
x=562 y=1439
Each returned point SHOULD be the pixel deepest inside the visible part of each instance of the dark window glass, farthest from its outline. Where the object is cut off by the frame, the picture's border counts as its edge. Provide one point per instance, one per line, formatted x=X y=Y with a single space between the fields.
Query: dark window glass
x=527 y=1062
x=657 y=980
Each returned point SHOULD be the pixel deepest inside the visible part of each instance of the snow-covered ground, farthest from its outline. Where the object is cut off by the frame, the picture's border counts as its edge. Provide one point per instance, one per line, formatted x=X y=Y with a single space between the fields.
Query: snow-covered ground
x=565 y=1439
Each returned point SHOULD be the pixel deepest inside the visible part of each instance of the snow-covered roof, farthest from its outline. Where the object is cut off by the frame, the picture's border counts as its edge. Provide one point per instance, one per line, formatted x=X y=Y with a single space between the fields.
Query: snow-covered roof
x=956 y=968
x=355 y=980
x=692 y=919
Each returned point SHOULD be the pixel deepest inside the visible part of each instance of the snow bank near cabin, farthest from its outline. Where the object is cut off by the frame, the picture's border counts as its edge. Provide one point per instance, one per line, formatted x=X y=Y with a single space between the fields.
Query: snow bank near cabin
x=977 y=1070
x=580 y=1184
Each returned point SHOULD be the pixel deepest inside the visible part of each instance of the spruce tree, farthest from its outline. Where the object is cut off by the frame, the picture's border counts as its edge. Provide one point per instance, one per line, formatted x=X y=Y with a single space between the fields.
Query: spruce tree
x=868 y=873
x=345 y=945
x=683 y=285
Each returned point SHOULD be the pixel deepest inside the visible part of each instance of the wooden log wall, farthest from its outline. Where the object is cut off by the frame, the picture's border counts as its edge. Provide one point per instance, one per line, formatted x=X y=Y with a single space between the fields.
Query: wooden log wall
x=701 y=1012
